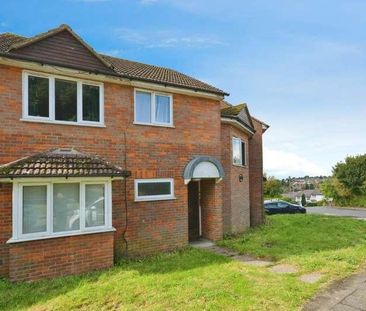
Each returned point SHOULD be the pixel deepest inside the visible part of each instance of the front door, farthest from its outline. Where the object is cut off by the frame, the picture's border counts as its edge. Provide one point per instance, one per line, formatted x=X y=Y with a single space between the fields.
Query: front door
x=194 y=211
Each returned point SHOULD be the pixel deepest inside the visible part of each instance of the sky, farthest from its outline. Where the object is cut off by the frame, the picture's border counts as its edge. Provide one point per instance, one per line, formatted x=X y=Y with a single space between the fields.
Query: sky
x=299 y=65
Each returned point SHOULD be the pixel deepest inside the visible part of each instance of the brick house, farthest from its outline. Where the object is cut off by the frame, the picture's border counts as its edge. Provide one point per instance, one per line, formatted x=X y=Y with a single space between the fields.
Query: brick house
x=102 y=157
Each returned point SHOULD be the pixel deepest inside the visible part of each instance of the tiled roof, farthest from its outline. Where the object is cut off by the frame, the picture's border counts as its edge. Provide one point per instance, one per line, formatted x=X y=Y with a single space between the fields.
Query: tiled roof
x=136 y=70
x=121 y=67
x=239 y=113
x=61 y=163
x=8 y=39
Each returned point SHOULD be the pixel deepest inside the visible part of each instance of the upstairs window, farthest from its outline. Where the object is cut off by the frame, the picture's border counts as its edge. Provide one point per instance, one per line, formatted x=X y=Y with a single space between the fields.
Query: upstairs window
x=239 y=152
x=62 y=100
x=153 y=108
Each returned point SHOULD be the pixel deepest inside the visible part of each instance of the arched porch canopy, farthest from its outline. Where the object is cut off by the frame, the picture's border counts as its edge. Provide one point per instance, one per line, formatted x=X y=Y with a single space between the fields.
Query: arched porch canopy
x=203 y=167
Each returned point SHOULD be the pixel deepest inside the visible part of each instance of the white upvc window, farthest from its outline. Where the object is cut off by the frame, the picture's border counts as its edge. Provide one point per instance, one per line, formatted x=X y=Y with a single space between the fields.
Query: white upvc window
x=59 y=207
x=239 y=151
x=153 y=108
x=154 y=189
x=63 y=100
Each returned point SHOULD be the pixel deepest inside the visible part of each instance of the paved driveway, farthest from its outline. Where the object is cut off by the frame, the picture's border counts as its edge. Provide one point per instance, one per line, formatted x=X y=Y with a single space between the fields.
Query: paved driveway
x=356 y=213
x=345 y=295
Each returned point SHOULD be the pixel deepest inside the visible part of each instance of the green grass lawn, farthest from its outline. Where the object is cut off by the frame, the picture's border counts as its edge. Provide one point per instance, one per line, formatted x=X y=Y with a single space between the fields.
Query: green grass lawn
x=193 y=279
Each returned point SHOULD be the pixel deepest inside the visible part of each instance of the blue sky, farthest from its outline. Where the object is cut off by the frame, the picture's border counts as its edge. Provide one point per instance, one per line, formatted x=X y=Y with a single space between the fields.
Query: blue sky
x=300 y=65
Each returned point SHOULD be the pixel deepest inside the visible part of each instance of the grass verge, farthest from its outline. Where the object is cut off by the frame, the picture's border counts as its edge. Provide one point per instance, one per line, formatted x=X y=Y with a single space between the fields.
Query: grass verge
x=193 y=279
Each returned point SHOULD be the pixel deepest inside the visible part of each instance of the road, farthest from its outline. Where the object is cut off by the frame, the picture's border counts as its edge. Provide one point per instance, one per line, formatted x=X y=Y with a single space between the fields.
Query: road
x=356 y=213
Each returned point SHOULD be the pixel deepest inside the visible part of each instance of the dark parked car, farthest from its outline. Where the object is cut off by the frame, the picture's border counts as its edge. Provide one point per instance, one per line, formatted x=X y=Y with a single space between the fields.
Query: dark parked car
x=282 y=207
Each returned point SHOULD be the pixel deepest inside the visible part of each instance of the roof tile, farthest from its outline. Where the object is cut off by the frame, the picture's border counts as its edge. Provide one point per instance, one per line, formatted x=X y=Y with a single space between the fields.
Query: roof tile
x=61 y=163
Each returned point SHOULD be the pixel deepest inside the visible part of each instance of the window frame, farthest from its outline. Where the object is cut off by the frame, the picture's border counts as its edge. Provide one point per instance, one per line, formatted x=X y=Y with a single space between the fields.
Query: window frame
x=52 y=100
x=153 y=95
x=242 y=142
x=17 y=217
x=170 y=196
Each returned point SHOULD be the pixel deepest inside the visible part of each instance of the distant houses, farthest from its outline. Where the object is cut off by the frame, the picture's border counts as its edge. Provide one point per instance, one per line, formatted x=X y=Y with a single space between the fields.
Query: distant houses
x=312 y=196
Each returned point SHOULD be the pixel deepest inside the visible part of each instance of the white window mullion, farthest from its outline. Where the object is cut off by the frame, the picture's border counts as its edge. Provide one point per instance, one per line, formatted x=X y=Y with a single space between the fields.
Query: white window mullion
x=153 y=107
x=171 y=109
x=52 y=100
x=79 y=101
x=108 y=204
x=25 y=95
x=82 y=206
x=101 y=104
x=49 y=208
x=18 y=213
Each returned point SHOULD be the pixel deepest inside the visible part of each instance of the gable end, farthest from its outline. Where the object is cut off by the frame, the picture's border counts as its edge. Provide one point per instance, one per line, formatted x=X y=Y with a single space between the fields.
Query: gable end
x=62 y=48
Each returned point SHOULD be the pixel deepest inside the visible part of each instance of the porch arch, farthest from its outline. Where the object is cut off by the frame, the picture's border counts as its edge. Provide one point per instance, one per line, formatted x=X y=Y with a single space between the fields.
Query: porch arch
x=203 y=167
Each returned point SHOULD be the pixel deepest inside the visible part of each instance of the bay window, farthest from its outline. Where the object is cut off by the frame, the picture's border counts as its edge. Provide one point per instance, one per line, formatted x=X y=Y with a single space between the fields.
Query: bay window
x=63 y=100
x=60 y=208
x=152 y=108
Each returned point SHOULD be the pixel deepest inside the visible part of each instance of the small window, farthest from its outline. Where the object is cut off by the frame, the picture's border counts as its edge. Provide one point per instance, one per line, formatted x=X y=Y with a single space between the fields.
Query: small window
x=38 y=97
x=62 y=100
x=239 y=152
x=153 y=108
x=154 y=189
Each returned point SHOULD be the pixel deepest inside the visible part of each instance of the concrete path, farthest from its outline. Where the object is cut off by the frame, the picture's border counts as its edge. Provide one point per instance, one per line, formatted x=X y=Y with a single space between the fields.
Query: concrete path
x=346 y=295
x=271 y=266
x=347 y=212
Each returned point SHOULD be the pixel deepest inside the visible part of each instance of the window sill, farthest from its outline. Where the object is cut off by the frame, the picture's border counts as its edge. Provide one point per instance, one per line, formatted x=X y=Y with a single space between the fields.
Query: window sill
x=153 y=124
x=155 y=199
x=63 y=235
x=238 y=165
x=63 y=122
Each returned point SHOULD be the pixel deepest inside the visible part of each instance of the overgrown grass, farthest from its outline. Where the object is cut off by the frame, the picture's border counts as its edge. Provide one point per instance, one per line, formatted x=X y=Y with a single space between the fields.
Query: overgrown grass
x=354 y=201
x=335 y=246
x=194 y=279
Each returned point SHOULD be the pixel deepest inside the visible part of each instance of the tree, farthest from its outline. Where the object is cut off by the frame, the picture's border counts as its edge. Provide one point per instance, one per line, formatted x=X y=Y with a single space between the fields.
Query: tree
x=303 y=199
x=272 y=187
x=333 y=188
x=352 y=173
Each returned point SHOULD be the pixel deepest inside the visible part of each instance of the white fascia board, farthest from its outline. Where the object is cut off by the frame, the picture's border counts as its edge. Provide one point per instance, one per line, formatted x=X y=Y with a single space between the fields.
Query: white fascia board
x=236 y=124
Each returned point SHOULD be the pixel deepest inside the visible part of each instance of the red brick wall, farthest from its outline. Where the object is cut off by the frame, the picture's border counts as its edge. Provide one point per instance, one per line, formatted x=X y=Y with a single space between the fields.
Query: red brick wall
x=256 y=176
x=211 y=207
x=152 y=152
x=236 y=208
x=5 y=227
x=35 y=260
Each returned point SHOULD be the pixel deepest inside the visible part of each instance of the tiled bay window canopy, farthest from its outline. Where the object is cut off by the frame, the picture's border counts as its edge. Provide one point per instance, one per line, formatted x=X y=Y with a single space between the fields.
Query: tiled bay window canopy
x=61 y=162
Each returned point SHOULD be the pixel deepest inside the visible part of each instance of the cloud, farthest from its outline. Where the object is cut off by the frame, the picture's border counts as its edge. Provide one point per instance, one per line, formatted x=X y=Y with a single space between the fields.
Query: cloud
x=166 y=39
x=283 y=164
